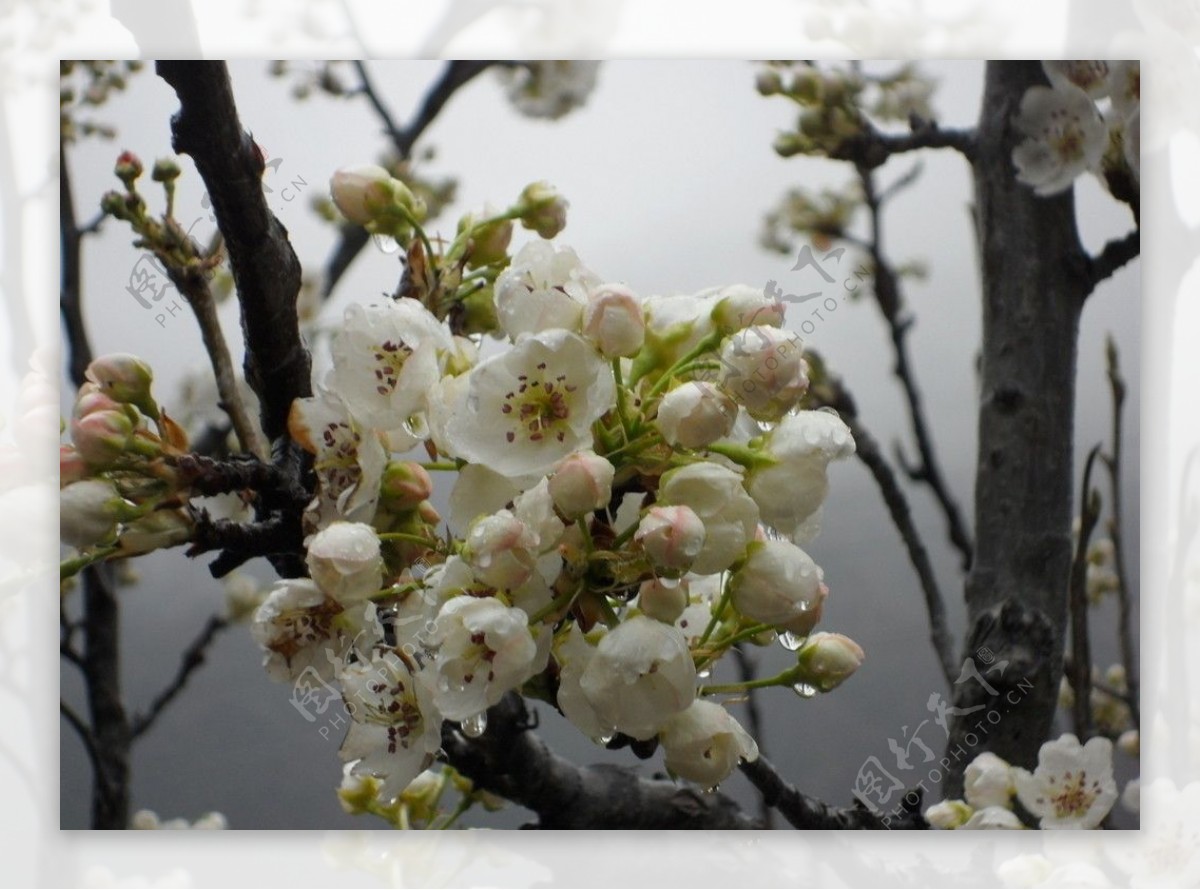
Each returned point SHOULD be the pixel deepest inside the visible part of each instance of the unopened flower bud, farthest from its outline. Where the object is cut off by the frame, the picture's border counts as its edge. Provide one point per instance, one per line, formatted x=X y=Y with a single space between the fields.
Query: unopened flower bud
x=128 y=168
x=71 y=466
x=704 y=743
x=741 y=306
x=695 y=414
x=114 y=204
x=344 y=561
x=89 y=512
x=988 y=782
x=489 y=240
x=780 y=585
x=500 y=550
x=101 y=436
x=662 y=599
x=372 y=197
x=165 y=170
x=154 y=531
x=826 y=660
x=124 y=378
x=763 y=368
x=405 y=484
x=582 y=482
x=671 y=536
x=1130 y=742
x=768 y=82
x=613 y=320
x=543 y=209
x=949 y=814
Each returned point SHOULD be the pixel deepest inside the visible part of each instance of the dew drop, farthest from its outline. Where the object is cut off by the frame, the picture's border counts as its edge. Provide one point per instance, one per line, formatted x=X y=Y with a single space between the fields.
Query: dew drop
x=790 y=641
x=475 y=726
x=605 y=739
x=705 y=672
x=804 y=690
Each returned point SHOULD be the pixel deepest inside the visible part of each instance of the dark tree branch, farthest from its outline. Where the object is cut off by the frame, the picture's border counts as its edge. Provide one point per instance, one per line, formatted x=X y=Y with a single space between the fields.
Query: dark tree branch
x=1112 y=462
x=808 y=813
x=1081 y=651
x=70 y=296
x=890 y=301
x=279 y=537
x=265 y=269
x=101 y=668
x=835 y=395
x=192 y=658
x=1116 y=253
x=511 y=761
x=872 y=148
x=1034 y=285
x=353 y=238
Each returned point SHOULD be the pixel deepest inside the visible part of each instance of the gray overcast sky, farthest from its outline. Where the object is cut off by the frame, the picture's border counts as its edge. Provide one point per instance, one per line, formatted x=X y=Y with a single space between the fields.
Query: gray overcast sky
x=668 y=170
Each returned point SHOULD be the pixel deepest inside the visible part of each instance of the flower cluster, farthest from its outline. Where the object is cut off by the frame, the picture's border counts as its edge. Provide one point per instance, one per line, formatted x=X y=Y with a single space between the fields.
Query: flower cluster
x=1072 y=787
x=1088 y=119
x=632 y=480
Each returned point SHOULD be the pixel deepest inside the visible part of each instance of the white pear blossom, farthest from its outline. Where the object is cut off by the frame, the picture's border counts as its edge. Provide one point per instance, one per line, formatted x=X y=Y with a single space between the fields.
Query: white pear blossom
x=1073 y=786
x=1092 y=76
x=295 y=624
x=988 y=782
x=529 y=407
x=640 y=675
x=349 y=460
x=695 y=414
x=395 y=730
x=704 y=743
x=715 y=494
x=385 y=359
x=484 y=649
x=581 y=484
x=573 y=653
x=479 y=491
x=790 y=491
x=763 y=369
x=1065 y=135
x=344 y=560
x=613 y=320
x=550 y=89
x=544 y=287
x=664 y=599
x=778 y=584
x=671 y=537
x=500 y=549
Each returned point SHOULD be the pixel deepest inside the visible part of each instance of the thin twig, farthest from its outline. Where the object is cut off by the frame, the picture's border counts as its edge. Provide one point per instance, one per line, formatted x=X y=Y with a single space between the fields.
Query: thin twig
x=1112 y=462
x=70 y=236
x=1081 y=653
x=199 y=295
x=192 y=658
x=1113 y=256
x=746 y=673
x=834 y=394
x=890 y=301
x=84 y=733
x=872 y=148
x=806 y=812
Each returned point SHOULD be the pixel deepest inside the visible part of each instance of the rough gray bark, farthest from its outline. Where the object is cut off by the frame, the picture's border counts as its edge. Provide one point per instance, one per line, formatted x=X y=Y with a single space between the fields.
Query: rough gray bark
x=1036 y=277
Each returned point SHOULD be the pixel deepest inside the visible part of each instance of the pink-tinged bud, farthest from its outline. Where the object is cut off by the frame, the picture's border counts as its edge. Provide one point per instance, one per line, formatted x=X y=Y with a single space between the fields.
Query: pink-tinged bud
x=124 y=378
x=360 y=192
x=672 y=537
x=501 y=550
x=695 y=414
x=762 y=368
x=581 y=483
x=826 y=660
x=613 y=320
x=405 y=484
x=128 y=168
x=543 y=209
x=101 y=437
x=662 y=599
x=71 y=467
x=741 y=306
x=90 y=400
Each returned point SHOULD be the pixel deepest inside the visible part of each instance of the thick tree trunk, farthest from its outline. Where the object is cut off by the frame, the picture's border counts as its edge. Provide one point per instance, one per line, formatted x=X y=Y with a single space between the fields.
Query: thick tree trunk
x=1035 y=280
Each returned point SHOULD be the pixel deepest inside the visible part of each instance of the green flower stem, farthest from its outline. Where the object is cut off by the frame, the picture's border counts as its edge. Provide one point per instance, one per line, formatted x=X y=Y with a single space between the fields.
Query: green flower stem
x=448 y=466
x=560 y=603
x=622 y=407
x=70 y=567
x=708 y=344
x=718 y=612
x=448 y=822
x=586 y=531
x=741 y=454
x=720 y=647
x=410 y=539
x=784 y=679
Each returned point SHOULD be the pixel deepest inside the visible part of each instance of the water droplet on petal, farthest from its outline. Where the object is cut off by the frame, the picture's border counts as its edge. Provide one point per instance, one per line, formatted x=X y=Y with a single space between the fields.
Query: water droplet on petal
x=804 y=690
x=475 y=726
x=605 y=739
x=790 y=641
x=705 y=672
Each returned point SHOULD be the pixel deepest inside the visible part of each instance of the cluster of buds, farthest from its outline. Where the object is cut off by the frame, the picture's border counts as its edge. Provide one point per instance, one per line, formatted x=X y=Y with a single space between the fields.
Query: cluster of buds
x=118 y=494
